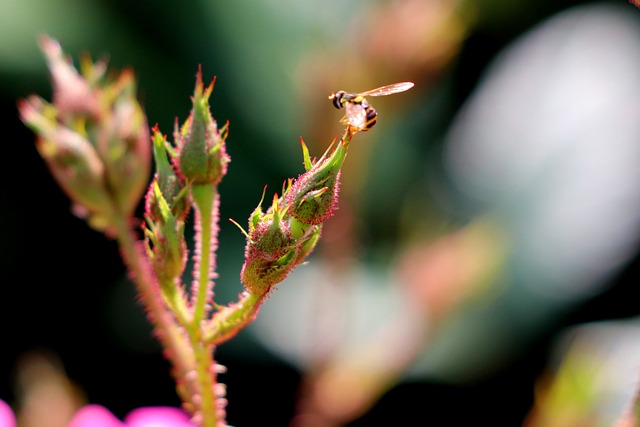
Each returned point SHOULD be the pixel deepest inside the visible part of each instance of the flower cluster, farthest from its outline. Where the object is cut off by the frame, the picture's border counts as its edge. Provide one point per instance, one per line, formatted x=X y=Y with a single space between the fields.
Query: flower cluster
x=281 y=238
x=93 y=136
x=188 y=173
x=95 y=140
x=198 y=160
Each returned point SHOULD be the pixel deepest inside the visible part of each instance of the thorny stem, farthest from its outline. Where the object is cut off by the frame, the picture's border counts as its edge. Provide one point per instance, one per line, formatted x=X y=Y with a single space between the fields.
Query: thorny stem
x=176 y=302
x=230 y=320
x=206 y=378
x=169 y=333
x=186 y=326
x=204 y=197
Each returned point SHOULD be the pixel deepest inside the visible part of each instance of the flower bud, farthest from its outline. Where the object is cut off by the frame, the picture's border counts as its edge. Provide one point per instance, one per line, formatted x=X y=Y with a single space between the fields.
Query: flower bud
x=269 y=234
x=93 y=137
x=271 y=251
x=166 y=207
x=72 y=93
x=166 y=246
x=281 y=239
x=123 y=142
x=169 y=183
x=72 y=160
x=259 y=275
x=308 y=242
x=202 y=156
x=312 y=198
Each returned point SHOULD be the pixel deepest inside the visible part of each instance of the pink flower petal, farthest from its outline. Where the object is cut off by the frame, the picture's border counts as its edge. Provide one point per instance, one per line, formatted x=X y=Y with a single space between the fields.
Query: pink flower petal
x=94 y=416
x=160 y=416
x=6 y=415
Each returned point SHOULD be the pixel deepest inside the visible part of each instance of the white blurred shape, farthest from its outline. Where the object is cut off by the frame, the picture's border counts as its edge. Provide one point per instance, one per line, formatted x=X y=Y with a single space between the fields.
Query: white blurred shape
x=314 y=313
x=551 y=141
x=609 y=352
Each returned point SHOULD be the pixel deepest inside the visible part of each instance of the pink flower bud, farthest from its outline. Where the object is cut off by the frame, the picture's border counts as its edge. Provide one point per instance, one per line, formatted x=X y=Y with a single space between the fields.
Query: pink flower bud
x=72 y=94
x=161 y=416
x=123 y=143
x=93 y=137
x=72 y=160
x=7 y=419
x=95 y=416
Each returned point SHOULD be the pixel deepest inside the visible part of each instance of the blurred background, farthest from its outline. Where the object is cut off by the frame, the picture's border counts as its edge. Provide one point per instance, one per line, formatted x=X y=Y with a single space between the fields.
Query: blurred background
x=480 y=268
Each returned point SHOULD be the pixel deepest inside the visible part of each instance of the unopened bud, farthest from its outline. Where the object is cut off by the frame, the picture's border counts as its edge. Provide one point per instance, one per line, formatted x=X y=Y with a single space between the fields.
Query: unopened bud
x=72 y=160
x=259 y=275
x=308 y=242
x=123 y=142
x=271 y=251
x=201 y=145
x=72 y=93
x=312 y=198
x=269 y=236
x=169 y=183
x=164 y=234
x=94 y=137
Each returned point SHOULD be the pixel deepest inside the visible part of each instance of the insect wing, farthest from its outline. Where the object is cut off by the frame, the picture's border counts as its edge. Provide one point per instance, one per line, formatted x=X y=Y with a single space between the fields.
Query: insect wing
x=388 y=89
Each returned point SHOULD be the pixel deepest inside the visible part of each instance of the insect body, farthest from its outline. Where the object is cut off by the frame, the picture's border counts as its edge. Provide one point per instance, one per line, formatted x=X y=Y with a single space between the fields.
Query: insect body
x=359 y=113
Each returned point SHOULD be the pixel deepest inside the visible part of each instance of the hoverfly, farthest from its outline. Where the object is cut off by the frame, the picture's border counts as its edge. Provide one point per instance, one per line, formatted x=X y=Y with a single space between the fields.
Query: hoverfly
x=359 y=114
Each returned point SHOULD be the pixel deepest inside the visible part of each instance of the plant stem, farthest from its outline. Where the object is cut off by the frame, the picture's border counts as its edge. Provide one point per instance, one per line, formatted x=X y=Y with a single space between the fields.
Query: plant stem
x=206 y=379
x=176 y=301
x=170 y=334
x=205 y=197
x=231 y=319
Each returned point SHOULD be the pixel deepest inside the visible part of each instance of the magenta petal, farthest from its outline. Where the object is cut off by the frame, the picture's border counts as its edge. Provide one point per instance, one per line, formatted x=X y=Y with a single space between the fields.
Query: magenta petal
x=160 y=416
x=6 y=415
x=94 y=416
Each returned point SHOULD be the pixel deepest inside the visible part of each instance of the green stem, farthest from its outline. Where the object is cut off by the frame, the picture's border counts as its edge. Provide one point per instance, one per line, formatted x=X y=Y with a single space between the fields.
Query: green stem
x=176 y=301
x=206 y=380
x=204 y=197
x=227 y=322
x=346 y=137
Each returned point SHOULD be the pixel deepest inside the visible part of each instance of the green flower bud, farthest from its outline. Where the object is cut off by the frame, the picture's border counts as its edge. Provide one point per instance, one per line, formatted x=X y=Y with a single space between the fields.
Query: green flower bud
x=164 y=234
x=170 y=184
x=312 y=198
x=202 y=156
x=269 y=234
x=281 y=239
x=259 y=275
x=308 y=242
x=271 y=251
